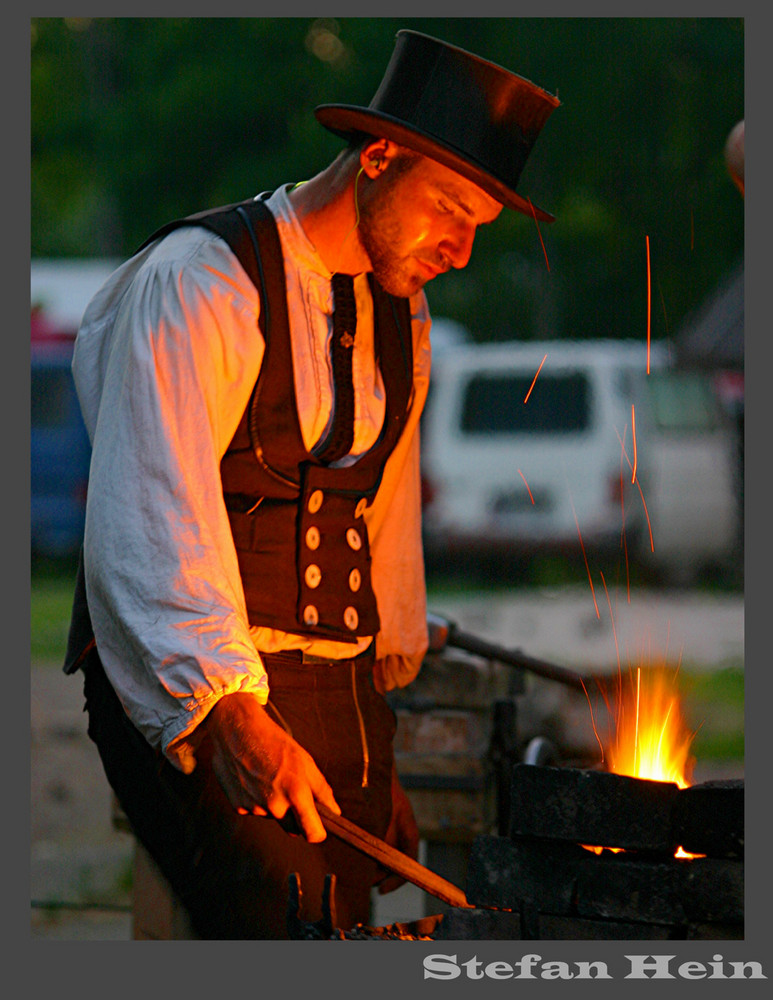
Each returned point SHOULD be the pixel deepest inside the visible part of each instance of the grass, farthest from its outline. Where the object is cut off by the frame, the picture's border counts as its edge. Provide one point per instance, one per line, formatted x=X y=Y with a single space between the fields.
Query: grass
x=50 y=606
x=714 y=703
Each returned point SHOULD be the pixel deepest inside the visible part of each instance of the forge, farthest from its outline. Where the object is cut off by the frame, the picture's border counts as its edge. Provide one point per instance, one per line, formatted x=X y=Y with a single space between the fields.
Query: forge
x=592 y=855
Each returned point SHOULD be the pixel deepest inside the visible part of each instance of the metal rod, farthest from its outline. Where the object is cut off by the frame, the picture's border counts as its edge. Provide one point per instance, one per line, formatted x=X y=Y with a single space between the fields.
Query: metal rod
x=472 y=644
x=392 y=859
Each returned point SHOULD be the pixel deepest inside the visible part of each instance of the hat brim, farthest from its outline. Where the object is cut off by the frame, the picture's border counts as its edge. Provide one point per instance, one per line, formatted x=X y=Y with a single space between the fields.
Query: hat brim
x=345 y=120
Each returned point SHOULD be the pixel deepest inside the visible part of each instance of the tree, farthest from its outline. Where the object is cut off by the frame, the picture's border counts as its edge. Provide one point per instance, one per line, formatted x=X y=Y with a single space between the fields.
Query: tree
x=139 y=120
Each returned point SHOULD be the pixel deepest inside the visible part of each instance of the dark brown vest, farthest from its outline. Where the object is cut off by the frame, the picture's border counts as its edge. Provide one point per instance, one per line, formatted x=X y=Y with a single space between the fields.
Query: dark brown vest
x=297 y=524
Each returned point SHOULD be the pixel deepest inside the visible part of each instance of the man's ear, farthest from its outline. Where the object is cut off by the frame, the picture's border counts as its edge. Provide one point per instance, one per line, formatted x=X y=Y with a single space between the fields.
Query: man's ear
x=376 y=157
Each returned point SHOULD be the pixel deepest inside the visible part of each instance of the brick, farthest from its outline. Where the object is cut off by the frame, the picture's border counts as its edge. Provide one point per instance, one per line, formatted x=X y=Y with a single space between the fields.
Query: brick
x=507 y=874
x=478 y=925
x=476 y=685
x=444 y=731
x=554 y=928
x=447 y=814
x=709 y=819
x=592 y=807
x=627 y=887
x=712 y=890
x=714 y=932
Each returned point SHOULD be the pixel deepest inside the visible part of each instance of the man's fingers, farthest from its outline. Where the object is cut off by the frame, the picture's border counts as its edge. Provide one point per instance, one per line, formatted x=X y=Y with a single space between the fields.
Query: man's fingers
x=312 y=826
x=266 y=772
x=323 y=793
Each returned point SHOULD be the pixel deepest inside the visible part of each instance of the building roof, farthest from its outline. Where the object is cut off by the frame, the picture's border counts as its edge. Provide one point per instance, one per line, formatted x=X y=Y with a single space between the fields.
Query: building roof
x=712 y=337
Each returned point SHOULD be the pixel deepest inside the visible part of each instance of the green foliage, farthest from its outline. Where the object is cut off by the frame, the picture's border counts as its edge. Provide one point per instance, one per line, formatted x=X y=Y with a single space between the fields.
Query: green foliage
x=139 y=120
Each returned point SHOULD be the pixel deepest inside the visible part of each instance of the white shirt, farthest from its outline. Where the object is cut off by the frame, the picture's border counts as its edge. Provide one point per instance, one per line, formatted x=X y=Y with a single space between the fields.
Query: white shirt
x=165 y=361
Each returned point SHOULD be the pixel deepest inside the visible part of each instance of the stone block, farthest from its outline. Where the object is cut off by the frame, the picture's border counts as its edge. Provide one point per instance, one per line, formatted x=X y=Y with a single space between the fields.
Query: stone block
x=709 y=819
x=627 y=887
x=478 y=925
x=712 y=890
x=592 y=807
x=507 y=874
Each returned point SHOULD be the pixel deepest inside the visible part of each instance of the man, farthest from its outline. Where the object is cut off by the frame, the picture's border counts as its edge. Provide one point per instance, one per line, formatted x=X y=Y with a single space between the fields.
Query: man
x=252 y=576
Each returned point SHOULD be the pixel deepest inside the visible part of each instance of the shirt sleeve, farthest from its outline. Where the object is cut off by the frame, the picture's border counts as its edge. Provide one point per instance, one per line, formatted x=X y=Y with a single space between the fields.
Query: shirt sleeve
x=162 y=579
x=394 y=531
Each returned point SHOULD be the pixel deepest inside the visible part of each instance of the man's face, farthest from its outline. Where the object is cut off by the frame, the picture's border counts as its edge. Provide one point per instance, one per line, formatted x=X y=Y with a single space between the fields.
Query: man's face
x=419 y=220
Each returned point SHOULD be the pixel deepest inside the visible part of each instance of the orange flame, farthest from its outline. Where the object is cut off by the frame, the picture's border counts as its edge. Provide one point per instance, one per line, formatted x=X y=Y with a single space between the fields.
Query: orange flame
x=651 y=738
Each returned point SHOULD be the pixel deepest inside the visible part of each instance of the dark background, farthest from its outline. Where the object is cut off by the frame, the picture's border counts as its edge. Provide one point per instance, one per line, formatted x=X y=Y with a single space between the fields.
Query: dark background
x=135 y=121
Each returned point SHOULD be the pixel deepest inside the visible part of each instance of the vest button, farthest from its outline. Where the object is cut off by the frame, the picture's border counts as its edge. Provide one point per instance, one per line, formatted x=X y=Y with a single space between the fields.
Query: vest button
x=354 y=539
x=310 y=615
x=315 y=501
x=355 y=579
x=312 y=537
x=313 y=575
x=359 y=510
x=351 y=618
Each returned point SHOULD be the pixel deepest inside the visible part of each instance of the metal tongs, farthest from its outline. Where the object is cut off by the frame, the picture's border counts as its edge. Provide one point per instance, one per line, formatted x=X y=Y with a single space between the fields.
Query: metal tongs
x=444 y=633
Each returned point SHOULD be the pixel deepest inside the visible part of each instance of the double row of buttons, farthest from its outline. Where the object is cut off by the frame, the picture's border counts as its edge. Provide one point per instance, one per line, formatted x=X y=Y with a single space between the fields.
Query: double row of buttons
x=313 y=574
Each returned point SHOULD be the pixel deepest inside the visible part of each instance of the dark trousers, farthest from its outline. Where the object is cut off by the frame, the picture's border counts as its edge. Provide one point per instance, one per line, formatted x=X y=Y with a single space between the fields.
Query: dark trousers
x=232 y=872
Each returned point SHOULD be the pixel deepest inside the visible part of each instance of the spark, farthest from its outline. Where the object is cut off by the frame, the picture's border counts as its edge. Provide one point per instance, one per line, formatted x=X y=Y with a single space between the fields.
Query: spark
x=547 y=262
x=649 y=302
x=612 y=619
x=585 y=558
x=534 y=379
x=641 y=494
x=623 y=538
x=633 y=433
x=647 y=515
x=526 y=485
x=593 y=721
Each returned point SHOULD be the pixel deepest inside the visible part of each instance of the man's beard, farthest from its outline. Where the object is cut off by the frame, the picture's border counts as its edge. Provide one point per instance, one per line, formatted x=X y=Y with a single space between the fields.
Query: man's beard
x=380 y=237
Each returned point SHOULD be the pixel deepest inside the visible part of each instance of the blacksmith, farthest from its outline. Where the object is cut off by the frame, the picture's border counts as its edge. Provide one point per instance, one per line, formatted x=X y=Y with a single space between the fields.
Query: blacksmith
x=252 y=578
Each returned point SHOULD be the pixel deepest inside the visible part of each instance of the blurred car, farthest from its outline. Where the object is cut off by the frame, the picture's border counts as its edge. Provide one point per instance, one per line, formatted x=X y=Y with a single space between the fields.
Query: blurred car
x=532 y=446
x=60 y=452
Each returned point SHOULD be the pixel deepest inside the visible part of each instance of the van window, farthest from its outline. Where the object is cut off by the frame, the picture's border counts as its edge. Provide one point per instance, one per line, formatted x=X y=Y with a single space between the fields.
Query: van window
x=494 y=404
x=683 y=401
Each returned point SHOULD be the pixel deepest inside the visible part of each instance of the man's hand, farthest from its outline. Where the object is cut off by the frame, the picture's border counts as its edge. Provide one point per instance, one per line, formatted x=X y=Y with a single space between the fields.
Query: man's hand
x=262 y=769
x=403 y=832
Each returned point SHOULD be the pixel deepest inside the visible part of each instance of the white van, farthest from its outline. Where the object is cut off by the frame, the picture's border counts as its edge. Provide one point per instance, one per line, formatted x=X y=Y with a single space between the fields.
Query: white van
x=547 y=445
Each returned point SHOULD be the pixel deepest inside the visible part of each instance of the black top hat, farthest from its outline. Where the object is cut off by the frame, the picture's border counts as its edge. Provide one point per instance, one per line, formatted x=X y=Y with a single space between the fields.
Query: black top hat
x=466 y=113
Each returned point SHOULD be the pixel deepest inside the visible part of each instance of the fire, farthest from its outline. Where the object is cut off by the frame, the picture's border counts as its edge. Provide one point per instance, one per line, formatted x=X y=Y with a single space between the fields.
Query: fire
x=651 y=738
